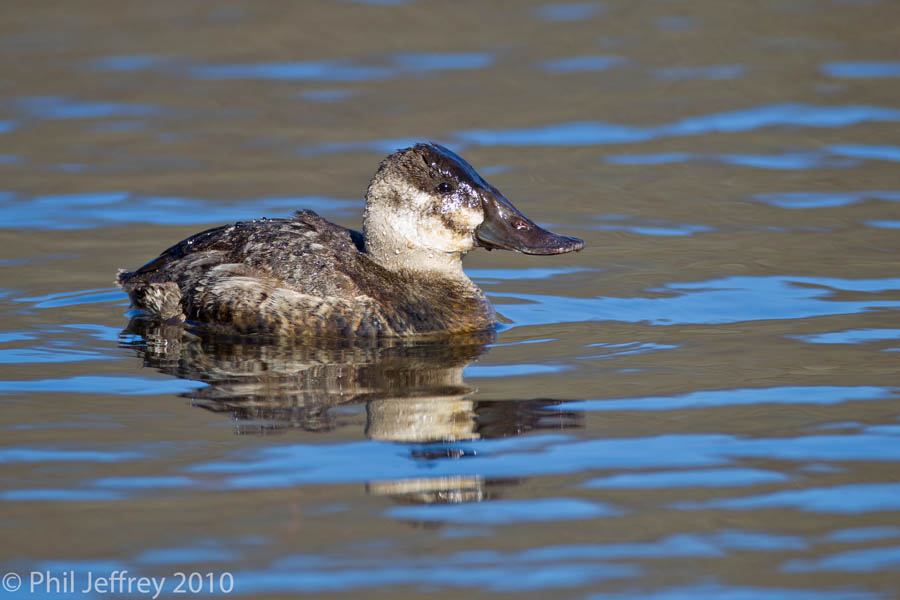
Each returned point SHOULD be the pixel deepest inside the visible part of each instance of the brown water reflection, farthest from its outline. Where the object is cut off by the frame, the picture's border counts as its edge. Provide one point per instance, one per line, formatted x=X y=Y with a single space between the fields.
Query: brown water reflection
x=413 y=392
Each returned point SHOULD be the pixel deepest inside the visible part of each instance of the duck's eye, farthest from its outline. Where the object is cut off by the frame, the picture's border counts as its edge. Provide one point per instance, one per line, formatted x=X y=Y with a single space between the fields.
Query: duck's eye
x=444 y=187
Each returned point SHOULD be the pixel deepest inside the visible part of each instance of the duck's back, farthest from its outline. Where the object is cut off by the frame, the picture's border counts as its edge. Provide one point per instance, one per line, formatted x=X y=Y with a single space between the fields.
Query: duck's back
x=301 y=276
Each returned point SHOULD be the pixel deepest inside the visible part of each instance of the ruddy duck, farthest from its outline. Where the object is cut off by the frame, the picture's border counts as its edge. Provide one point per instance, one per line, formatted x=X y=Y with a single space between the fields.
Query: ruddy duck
x=425 y=209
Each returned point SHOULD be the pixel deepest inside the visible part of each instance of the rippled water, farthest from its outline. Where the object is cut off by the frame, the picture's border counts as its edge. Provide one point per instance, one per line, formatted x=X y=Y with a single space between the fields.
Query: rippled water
x=704 y=403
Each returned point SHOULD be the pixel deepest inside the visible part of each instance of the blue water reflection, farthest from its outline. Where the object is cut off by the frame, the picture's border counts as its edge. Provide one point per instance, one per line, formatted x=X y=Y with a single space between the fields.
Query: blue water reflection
x=688 y=479
x=869 y=152
x=48 y=454
x=821 y=395
x=533 y=569
x=81 y=211
x=578 y=133
x=863 y=534
x=625 y=349
x=16 y=336
x=884 y=224
x=62 y=299
x=573 y=11
x=56 y=352
x=445 y=62
x=59 y=495
x=861 y=70
x=494 y=577
x=591 y=133
x=660 y=158
x=326 y=70
x=56 y=107
x=501 y=512
x=588 y=133
x=728 y=300
x=675 y=545
x=851 y=336
x=713 y=72
x=582 y=63
x=513 y=370
x=289 y=465
x=384 y=146
x=136 y=62
x=335 y=71
x=185 y=556
x=483 y=276
x=715 y=591
x=802 y=200
x=342 y=70
x=67 y=343
x=643 y=226
x=864 y=560
x=847 y=499
x=784 y=161
x=143 y=483
x=102 y=384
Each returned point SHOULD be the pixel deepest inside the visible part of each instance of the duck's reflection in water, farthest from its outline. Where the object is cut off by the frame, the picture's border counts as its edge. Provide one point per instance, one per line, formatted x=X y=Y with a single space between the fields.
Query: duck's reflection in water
x=413 y=392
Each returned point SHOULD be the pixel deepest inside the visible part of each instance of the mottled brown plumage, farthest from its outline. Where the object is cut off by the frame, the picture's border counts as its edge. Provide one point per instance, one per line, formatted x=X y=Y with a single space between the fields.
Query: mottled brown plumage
x=307 y=277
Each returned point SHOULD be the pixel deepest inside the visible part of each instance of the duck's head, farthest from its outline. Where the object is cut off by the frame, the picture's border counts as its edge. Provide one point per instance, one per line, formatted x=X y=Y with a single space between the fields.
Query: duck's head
x=426 y=206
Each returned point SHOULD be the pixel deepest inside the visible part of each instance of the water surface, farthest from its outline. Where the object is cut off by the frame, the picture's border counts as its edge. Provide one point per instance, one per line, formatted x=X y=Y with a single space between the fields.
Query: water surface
x=704 y=403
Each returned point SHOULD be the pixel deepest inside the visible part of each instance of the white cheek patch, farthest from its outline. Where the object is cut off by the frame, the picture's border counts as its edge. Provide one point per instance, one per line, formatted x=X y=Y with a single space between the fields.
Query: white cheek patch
x=466 y=216
x=444 y=227
x=433 y=234
x=440 y=223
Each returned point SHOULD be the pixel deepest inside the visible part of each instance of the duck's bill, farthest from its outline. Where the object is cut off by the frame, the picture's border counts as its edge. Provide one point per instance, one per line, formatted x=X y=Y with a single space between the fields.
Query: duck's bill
x=505 y=228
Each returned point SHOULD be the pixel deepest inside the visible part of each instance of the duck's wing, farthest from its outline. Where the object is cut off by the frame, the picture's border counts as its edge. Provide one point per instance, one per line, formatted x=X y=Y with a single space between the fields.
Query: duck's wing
x=257 y=240
x=268 y=275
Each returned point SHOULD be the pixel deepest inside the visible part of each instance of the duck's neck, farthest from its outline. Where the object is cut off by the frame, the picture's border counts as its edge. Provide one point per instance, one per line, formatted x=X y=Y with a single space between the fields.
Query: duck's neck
x=415 y=260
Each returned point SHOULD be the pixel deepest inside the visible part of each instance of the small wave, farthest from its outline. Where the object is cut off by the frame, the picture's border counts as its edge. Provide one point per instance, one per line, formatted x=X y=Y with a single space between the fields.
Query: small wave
x=84 y=211
x=576 y=64
x=843 y=499
x=861 y=70
x=102 y=384
x=727 y=300
x=590 y=133
x=802 y=200
x=572 y=11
